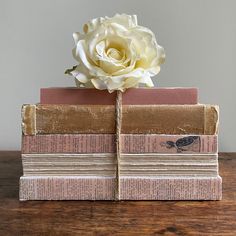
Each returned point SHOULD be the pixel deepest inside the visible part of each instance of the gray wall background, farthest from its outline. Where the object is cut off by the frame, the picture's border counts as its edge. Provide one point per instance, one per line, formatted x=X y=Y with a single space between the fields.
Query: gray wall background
x=199 y=37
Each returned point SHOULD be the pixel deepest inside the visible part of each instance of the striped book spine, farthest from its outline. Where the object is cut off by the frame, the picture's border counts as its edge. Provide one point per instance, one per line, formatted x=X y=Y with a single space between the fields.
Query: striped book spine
x=104 y=164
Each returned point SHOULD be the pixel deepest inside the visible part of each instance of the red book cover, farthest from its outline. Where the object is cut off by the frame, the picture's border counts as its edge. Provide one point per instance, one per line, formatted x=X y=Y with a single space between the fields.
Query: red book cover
x=133 y=96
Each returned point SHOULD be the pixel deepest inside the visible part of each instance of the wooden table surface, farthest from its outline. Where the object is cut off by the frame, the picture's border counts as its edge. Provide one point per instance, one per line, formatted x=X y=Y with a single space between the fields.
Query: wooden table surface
x=114 y=218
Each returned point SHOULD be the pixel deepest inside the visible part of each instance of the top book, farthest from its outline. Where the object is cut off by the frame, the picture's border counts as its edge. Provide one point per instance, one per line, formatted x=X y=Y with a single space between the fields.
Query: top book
x=133 y=96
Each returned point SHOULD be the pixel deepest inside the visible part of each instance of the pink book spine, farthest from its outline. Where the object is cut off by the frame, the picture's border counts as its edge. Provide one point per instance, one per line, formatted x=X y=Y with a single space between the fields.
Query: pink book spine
x=105 y=143
x=95 y=188
x=138 y=96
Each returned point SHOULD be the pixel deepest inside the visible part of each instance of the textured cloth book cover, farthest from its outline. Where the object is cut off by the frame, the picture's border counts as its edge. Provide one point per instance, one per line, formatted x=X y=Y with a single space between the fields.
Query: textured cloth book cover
x=154 y=119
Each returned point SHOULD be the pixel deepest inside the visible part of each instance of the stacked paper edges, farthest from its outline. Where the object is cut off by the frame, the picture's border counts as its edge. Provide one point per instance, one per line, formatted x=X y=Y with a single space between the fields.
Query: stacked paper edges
x=169 y=148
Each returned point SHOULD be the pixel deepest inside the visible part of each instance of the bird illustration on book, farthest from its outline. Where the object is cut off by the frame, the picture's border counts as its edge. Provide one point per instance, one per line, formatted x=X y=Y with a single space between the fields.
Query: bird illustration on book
x=182 y=144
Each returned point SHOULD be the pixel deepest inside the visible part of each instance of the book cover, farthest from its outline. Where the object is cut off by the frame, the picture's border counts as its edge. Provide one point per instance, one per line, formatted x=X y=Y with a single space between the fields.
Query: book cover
x=136 y=119
x=95 y=188
x=130 y=143
x=133 y=96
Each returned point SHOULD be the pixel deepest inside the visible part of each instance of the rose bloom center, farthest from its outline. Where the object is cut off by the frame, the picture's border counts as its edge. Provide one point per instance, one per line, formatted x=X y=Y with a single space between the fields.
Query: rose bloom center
x=114 y=54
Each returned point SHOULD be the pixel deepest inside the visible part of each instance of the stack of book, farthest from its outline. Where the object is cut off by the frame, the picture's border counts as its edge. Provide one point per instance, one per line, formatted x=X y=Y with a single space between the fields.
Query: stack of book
x=168 y=146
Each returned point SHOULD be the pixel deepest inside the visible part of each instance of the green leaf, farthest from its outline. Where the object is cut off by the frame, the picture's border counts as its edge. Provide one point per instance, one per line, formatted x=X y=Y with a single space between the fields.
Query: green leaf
x=68 y=71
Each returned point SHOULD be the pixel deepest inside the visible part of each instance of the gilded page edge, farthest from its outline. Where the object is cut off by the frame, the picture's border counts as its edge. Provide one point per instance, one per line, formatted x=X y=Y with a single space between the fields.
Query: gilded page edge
x=28 y=114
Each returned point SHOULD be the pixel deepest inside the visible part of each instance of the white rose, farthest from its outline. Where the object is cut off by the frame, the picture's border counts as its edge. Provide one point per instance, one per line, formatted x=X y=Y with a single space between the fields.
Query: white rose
x=115 y=54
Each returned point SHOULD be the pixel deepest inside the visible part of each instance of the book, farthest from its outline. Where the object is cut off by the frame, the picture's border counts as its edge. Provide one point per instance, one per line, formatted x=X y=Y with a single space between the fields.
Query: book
x=130 y=143
x=102 y=188
x=104 y=165
x=137 y=96
x=137 y=119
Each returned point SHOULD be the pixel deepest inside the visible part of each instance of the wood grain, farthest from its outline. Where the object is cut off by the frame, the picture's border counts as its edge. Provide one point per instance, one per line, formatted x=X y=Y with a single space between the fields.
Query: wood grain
x=115 y=218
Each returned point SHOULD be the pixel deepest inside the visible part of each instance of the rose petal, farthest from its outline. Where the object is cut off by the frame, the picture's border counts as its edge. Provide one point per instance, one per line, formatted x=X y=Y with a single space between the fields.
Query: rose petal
x=99 y=84
x=131 y=82
x=100 y=48
x=111 y=85
x=82 y=77
x=128 y=21
x=77 y=36
x=147 y=81
x=110 y=66
x=80 y=55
